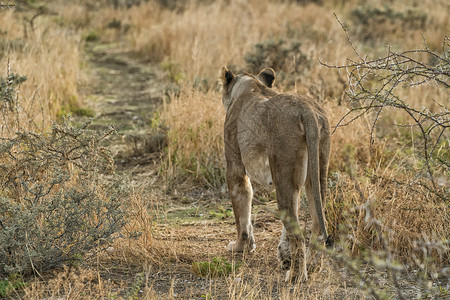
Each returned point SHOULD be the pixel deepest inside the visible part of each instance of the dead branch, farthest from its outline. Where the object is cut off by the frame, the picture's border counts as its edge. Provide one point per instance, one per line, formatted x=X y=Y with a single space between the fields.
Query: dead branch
x=374 y=85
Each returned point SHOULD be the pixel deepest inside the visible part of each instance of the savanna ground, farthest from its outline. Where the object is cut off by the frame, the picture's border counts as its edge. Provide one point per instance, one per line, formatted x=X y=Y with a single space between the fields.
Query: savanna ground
x=149 y=69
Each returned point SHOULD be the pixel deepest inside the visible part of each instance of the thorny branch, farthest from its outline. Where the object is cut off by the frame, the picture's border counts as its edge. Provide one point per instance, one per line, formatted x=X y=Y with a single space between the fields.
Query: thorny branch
x=374 y=85
x=7 y=5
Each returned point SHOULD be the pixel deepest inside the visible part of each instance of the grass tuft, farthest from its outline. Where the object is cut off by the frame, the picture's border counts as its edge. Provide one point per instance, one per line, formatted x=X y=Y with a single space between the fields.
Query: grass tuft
x=217 y=267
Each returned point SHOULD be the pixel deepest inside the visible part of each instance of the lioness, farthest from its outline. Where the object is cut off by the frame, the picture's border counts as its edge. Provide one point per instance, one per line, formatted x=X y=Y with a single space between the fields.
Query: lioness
x=281 y=141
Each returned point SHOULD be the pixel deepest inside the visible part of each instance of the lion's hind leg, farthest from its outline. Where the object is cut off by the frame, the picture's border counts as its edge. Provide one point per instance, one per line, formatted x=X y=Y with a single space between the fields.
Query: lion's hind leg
x=294 y=254
x=241 y=199
x=288 y=193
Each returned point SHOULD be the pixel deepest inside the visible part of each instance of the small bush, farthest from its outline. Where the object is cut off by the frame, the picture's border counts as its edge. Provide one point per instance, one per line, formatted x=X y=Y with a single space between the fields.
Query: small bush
x=276 y=54
x=377 y=22
x=92 y=36
x=53 y=207
x=290 y=63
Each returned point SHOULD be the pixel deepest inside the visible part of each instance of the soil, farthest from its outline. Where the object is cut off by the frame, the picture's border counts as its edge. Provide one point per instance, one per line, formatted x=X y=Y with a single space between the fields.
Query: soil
x=125 y=93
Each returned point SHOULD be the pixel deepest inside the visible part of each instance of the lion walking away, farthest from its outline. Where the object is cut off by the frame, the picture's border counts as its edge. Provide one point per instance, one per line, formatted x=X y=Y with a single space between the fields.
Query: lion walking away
x=280 y=141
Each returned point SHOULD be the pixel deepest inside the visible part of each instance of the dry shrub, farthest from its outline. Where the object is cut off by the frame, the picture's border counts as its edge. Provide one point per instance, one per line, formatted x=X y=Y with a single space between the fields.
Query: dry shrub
x=195 y=139
x=369 y=206
x=378 y=22
x=54 y=208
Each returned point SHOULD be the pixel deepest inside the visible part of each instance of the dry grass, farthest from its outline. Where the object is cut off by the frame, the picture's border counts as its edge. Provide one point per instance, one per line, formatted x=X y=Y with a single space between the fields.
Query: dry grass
x=204 y=37
x=195 y=147
x=192 y=44
x=49 y=57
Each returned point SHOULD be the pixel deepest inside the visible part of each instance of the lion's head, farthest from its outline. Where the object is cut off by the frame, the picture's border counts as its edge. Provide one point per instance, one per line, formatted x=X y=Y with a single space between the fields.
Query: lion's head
x=235 y=85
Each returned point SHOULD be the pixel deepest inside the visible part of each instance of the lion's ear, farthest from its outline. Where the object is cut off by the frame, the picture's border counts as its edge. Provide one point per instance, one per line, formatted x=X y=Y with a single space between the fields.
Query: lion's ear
x=267 y=76
x=226 y=76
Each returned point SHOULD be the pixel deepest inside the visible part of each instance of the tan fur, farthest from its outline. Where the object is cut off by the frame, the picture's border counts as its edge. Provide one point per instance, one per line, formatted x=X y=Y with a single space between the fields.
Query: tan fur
x=281 y=141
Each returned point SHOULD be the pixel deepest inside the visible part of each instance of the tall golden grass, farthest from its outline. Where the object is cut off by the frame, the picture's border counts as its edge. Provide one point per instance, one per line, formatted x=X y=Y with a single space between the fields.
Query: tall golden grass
x=195 y=142
x=50 y=59
x=204 y=37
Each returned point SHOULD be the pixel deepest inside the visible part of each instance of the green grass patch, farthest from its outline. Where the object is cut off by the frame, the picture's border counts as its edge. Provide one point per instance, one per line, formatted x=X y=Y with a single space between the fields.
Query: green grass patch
x=217 y=267
x=92 y=36
x=12 y=283
x=221 y=213
x=64 y=111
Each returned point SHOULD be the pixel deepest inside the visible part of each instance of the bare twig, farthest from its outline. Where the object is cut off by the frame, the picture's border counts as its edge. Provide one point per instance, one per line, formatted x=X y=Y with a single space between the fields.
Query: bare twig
x=348 y=37
x=7 y=5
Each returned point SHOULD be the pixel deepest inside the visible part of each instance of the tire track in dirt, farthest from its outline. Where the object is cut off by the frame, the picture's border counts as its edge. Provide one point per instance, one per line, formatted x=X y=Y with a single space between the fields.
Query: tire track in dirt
x=125 y=93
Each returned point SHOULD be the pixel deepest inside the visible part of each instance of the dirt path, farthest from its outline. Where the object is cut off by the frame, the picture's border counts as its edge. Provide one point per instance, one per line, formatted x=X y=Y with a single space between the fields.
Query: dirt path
x=125 y=93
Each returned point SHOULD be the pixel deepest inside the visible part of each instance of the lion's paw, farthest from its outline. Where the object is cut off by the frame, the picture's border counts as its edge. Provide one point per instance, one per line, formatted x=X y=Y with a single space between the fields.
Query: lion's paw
x=233 y=247
x=241 y=247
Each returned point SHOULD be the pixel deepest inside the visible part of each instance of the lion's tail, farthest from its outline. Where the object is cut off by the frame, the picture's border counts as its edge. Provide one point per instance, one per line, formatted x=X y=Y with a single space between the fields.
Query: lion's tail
x=312 y=133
